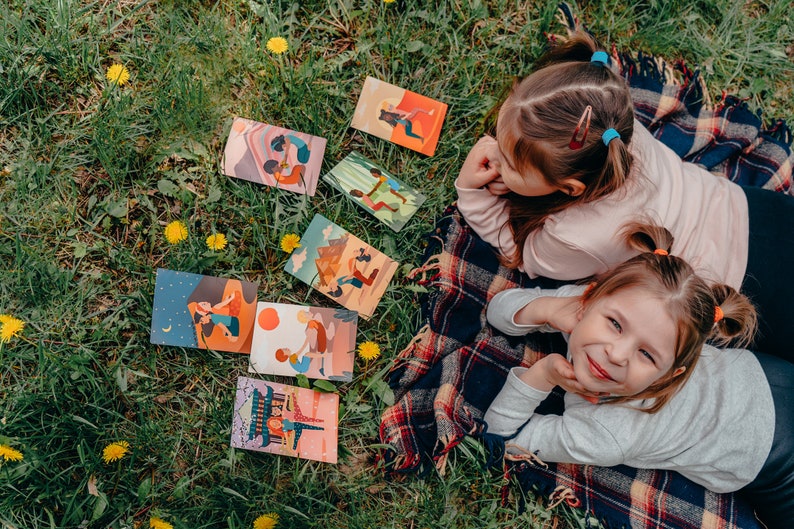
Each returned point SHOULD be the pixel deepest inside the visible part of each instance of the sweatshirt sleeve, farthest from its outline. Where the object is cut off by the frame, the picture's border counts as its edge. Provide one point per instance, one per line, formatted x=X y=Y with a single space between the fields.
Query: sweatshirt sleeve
x=502 y=309
x=569 y=438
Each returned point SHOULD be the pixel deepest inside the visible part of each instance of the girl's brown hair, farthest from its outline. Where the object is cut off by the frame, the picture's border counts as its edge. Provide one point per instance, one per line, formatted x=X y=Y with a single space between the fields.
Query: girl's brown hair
x=688 y=299
x=536 y=124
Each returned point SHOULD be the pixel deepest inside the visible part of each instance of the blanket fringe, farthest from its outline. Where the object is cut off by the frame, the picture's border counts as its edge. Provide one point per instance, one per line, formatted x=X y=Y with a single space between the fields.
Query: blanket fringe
x=408 y=350
x=433 y=264
x=523 y=455
x=563 y=494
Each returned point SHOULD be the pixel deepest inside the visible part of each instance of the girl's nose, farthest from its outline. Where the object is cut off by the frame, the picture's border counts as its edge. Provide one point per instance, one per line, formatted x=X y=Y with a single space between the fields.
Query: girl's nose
x=618 y=353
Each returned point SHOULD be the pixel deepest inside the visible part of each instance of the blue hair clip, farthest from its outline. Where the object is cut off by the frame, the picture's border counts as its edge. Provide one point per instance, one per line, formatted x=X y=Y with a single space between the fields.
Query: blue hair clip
x=609 y=135
x=600 y=56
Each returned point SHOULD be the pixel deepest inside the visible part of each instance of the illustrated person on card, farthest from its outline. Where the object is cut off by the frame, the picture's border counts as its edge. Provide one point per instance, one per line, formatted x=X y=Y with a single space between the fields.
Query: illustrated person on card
x=355 y=278
x=394 y=185
x=394 y=117
x=223 y=315
x=376 y=206
x=315 y=345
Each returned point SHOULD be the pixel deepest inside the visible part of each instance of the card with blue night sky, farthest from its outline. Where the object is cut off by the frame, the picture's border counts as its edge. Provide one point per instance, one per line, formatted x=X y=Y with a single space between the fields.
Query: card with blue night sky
x=205 y=312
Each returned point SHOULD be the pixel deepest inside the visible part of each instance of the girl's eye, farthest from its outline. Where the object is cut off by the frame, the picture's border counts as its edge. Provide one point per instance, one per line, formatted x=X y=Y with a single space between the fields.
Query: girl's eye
x=615 y=324
x=647 y=355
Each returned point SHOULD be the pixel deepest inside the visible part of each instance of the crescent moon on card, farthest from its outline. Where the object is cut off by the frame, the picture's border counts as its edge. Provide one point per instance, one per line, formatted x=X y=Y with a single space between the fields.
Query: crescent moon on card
x=167 y=329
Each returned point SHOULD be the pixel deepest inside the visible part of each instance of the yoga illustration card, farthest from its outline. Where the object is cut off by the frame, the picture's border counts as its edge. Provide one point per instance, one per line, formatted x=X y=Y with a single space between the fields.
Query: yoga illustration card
x=318 y=342
x=400 y=116
x=375 y=189
x=273 y=156
x=341 y=266
x=192 y=310
x=286 y=420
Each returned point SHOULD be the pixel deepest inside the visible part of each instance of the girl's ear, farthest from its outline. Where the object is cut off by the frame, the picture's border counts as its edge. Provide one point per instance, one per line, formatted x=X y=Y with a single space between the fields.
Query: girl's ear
x=679 y=371
x=572 y=187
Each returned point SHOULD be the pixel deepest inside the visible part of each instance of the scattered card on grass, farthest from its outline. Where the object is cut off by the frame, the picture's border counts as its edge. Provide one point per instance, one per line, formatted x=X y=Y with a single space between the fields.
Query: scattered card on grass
x=273 y=156
x=341 y=266
x=287 y=420
x=375 y=189
x=318 y=342
x=400 y=116
x=205 y=312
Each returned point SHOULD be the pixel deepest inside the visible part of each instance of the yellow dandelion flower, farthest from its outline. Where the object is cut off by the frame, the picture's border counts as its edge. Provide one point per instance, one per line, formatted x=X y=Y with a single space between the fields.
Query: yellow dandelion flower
x=5 y=317
x=115 y=451
x=368 y=350
x=176 y=232
x=159 y=523
x=118 y=74
x=388 y=1
x=277 y=45
x=10 y=454
x=216 y=241
x=10 y=327
x=266 y=521
x=290 y=242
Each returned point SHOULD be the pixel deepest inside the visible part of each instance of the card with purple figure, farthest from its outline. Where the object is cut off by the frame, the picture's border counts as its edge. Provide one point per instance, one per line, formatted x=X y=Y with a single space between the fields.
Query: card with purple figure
x=318 y=342
x=375 y=189
x=274 y=156
x=286 y=420
x=341 y=266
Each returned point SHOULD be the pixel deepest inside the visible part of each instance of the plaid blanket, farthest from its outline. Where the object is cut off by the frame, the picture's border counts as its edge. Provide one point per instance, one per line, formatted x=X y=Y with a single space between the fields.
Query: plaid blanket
x=447 y=376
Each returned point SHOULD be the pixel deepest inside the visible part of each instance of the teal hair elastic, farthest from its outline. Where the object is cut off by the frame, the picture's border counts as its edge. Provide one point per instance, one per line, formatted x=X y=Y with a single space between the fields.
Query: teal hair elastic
x=600 y=56
x=609 y=135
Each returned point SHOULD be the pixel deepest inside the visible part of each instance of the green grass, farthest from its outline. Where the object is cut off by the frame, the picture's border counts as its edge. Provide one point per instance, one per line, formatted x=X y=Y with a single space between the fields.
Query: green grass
x=91 y=172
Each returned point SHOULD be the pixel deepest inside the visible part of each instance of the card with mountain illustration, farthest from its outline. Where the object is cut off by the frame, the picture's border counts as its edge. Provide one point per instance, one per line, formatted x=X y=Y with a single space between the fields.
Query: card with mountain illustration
x=375 y=190
x=286 y=420
x=399 y=115
x=341 y=266
x=204 y=312
x=318 y=342
x=274 y=156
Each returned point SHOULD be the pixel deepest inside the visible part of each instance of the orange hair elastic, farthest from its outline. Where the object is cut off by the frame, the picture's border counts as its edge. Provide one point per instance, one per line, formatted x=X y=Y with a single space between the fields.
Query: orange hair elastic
x=718 y=314
x=660 y=251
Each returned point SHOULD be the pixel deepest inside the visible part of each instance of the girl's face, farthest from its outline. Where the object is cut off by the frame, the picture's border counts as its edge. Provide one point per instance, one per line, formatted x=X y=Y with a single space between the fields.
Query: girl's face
x=530 y=183
x=623 y=343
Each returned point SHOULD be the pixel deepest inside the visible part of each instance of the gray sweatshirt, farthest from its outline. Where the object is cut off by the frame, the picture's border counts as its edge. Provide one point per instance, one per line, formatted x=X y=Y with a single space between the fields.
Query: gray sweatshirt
x=717 y=430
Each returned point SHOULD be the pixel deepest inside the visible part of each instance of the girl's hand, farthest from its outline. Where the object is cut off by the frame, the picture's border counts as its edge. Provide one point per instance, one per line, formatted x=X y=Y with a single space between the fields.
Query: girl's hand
x=477 y=170
x=555 y=370
x=497 y=186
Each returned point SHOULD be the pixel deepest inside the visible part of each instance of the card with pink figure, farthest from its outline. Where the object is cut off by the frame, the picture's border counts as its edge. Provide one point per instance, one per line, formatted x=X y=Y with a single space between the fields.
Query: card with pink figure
x=399 y=115
x=318 y=342
x=274 y=156
x=341 y=266
x=285 y=420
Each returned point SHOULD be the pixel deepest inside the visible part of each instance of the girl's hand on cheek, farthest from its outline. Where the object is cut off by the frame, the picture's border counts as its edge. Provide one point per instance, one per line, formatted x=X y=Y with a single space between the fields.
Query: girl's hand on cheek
x=477 y=170
x=556 y=370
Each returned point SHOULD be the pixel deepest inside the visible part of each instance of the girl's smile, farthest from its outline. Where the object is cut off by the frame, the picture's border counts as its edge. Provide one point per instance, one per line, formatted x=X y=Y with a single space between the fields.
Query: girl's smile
x=598 y=371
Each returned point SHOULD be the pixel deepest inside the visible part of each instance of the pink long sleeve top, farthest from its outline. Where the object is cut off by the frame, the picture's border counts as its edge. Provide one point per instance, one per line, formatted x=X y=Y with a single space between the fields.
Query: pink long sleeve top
x=707 y=214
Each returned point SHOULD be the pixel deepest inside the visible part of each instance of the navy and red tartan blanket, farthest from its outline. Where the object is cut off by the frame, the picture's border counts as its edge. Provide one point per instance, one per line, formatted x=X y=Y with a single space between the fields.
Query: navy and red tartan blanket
x=449 y=373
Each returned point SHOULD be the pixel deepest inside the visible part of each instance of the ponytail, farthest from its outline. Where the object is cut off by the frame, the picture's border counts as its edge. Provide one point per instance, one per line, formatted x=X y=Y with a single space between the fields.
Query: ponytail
x=739 y=319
